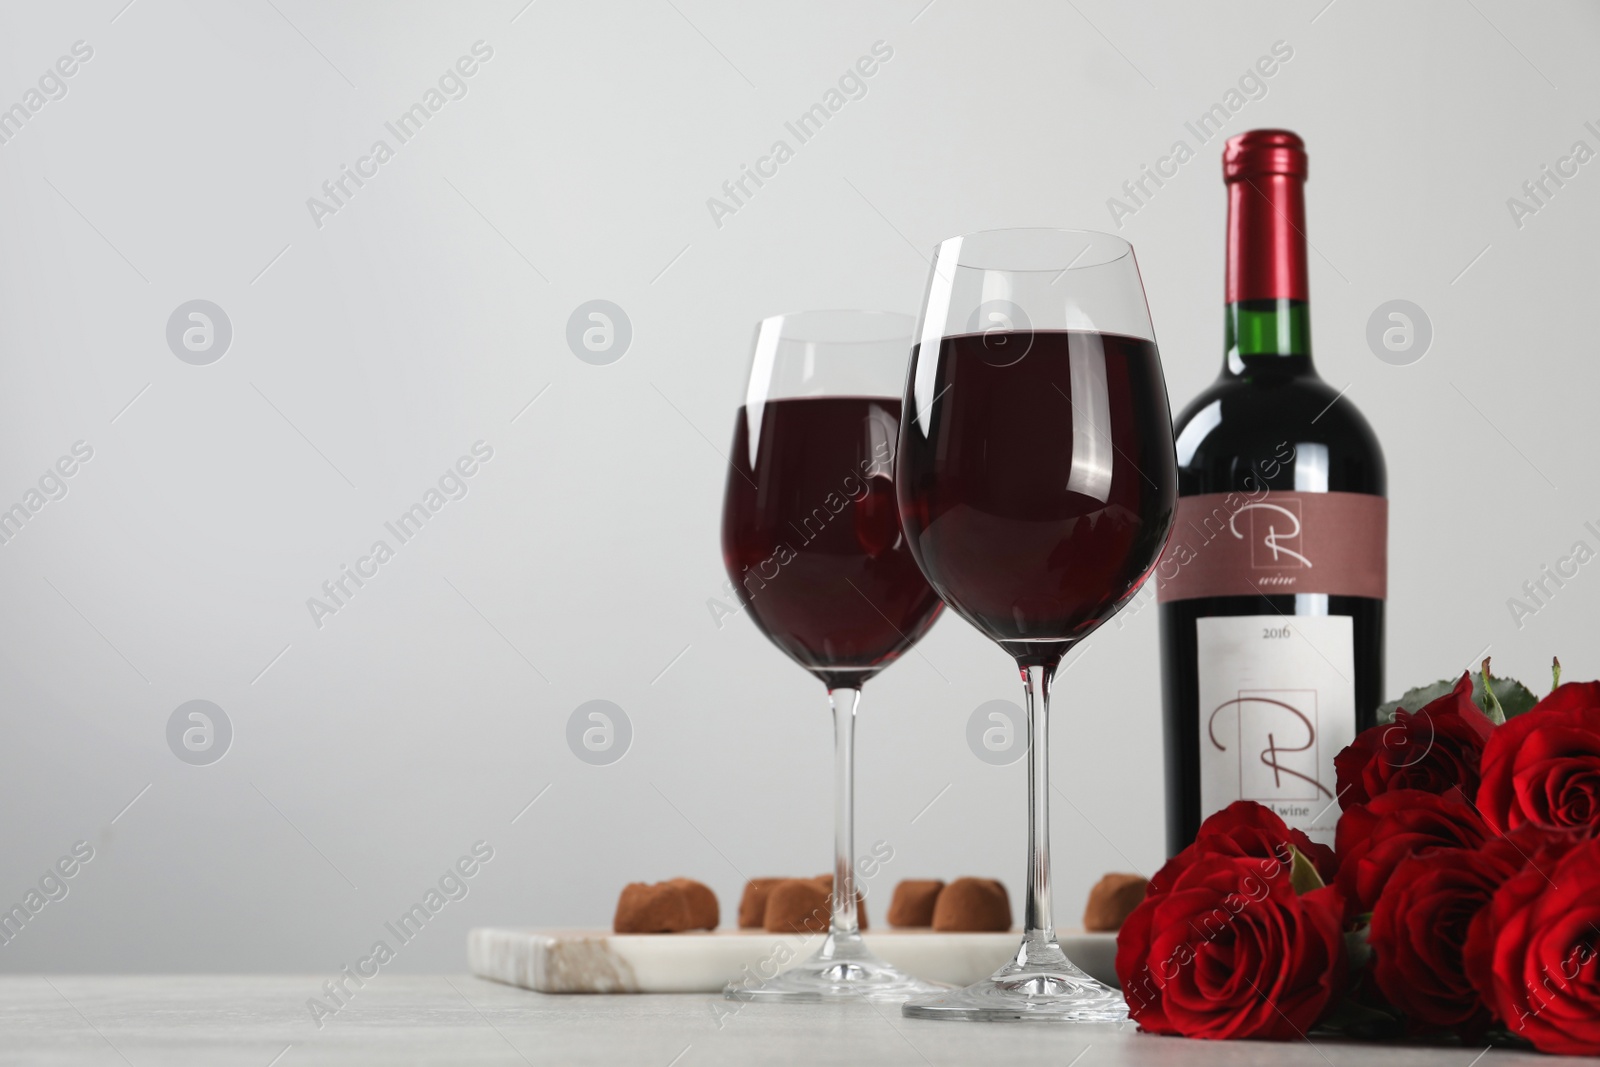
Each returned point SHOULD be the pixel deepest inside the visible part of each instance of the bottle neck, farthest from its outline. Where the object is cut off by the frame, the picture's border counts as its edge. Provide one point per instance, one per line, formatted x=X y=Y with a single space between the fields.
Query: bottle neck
x=1268 y=337
x=1268 y=324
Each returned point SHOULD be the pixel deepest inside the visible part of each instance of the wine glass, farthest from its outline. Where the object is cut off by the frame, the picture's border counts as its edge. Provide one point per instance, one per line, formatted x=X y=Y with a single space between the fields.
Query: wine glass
x=1037 y=482
x=811 y=539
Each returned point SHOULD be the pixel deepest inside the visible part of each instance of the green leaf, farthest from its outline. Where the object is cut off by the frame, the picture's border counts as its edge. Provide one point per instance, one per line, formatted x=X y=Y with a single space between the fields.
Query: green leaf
x=1415 y=699
x=1303 y=874
x=1513 y=697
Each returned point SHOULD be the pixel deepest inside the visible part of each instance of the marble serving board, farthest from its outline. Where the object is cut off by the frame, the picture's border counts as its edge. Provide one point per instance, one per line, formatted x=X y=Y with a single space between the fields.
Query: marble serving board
x=598 y=961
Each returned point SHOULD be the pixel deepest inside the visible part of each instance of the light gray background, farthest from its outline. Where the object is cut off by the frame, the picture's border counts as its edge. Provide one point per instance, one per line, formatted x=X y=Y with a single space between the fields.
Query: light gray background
x=370 y=353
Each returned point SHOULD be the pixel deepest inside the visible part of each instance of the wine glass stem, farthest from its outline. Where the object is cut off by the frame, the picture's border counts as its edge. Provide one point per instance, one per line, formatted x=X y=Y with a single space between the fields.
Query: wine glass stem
x=844 y=924
x=1038 y=927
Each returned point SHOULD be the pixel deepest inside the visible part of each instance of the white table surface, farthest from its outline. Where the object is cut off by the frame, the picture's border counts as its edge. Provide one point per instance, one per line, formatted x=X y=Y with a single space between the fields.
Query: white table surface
x=219 y=1020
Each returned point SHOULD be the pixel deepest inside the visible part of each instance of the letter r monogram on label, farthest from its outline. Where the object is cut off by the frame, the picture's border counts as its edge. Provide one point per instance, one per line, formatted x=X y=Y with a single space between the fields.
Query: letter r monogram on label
x=1274 y=534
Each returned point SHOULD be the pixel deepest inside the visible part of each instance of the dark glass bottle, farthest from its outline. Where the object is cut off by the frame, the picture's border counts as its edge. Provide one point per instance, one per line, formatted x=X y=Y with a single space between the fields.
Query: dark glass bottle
x=1272 y=587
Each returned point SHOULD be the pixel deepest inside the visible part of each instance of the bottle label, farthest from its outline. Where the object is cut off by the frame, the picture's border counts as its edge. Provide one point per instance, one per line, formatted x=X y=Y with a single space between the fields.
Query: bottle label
x=1269 y=542
x=1277 y=702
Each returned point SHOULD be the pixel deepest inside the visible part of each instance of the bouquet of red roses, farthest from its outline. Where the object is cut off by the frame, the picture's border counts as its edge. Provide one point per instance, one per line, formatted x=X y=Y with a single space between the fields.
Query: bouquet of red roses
x=1462 y=895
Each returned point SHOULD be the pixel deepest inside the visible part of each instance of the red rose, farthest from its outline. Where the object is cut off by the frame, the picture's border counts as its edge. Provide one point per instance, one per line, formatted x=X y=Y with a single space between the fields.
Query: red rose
x=1543 y=767
x=1249 y=830
x=1527 y=849
x=1419 y=931
x=1229 y=951
x=1532 y=951
x=1437 y=748
x=1374 y=838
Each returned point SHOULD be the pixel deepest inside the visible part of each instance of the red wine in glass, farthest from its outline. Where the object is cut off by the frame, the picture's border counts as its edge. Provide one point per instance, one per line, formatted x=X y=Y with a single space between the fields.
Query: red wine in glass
x=1040 y=534
x=812 y=541
x=811 y=535
x=1037 y=482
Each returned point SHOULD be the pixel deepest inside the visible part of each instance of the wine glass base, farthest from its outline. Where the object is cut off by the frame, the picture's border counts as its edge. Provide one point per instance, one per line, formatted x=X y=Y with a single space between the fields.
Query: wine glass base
x=1041 y=985
x=841 y=970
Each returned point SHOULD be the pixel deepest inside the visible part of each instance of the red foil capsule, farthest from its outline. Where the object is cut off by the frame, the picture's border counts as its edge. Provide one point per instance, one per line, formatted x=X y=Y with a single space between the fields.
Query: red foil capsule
x=1265 y=171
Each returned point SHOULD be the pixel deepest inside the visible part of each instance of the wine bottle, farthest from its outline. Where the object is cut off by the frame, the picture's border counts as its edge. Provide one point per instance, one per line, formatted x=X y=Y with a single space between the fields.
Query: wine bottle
x=1273 y=582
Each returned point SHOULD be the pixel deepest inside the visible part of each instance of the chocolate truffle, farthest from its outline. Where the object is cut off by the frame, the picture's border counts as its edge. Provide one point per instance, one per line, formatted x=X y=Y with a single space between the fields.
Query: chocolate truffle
x=913 y=901
x=662 y=908
x=753 y=905
x=826 y=881
x=704 y=913
x=796 y=905
x=1112 y=900
x=972 y=904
